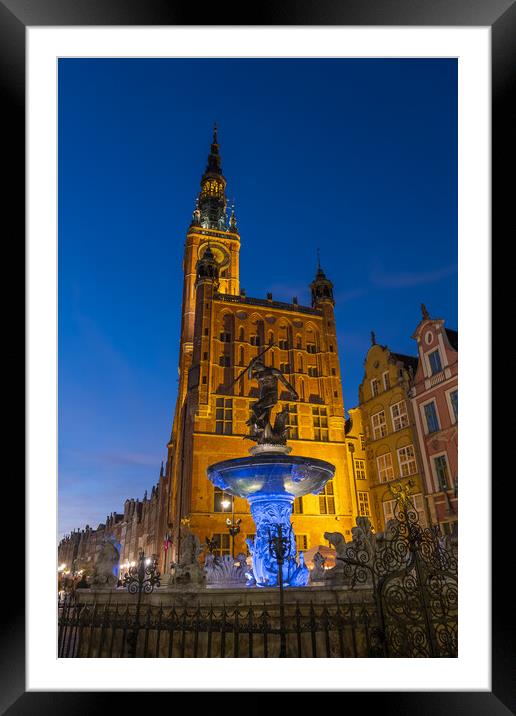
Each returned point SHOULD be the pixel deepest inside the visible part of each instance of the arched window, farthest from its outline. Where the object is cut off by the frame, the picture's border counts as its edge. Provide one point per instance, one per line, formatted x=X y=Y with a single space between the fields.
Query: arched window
x=242 y=356
x=270 y=338
x=241 y=334
x=302 y=390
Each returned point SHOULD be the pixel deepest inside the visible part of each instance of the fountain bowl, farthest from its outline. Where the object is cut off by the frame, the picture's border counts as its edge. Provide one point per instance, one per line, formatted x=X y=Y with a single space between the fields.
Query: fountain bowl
x=271 y=473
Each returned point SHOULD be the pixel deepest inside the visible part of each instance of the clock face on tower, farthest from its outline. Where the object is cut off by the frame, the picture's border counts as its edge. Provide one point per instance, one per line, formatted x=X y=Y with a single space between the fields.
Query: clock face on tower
x=220 y=253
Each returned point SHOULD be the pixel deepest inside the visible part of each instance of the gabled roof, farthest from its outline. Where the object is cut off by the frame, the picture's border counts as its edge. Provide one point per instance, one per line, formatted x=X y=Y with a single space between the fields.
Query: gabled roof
x=408 y=361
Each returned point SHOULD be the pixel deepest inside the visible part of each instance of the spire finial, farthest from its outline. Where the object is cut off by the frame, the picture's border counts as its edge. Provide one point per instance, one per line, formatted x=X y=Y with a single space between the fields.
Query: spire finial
x=215 y=130
x=373 y=338
x=424 y=312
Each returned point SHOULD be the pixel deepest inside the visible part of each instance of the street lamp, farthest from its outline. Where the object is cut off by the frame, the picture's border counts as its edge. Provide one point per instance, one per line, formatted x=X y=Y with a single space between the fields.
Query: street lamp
x=234 y=529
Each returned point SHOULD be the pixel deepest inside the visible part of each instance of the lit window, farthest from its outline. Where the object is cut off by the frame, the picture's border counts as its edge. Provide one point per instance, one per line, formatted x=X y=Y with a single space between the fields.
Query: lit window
x=388 y=510
x=385 y=468
x=224 y=416
x=292 y=423
x=301 y=542
x=222 y=502
x=441 y=470
x=312 y=371
x=362 y=442
x=360 y=471
x=320 y=422
x=399 y=415
x=375 y=387
x=297 y=508
x=379 y=425
x=407 y=461
x=434 y=359
x=386 y=381
x=327 y=500
x=432 y=421
x=222 y=544
x=363 y=504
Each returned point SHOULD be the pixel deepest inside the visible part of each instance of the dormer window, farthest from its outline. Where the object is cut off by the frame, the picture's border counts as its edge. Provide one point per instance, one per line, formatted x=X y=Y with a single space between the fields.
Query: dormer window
x=434 y=360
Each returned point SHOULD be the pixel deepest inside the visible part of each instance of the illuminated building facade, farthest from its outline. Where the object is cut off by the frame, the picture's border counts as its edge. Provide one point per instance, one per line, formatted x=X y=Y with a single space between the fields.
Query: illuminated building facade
x=221 y=331
x=435 y=405
x=392 y=448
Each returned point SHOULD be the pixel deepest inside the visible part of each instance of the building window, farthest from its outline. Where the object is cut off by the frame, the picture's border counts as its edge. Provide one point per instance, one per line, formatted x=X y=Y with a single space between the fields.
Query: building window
x=292 y=423
x=334 y=371
x=327 y=500
x=454 y=401
x=362 y=442
x=254 y=340
x=297 y=507
x=312 y=371
x=311 y=348
x=432 y=421
x=222 y=502
x=385 y=468
x=206 y=331
x=419 y=506
x=222 y=544
x=399 y=415
x=242 y=361
x=375 y=387
x=363 y=504
x=224 y=416
x=434 y=360
x=270 y=338
x=225 y=337
x=407 y=461
x=204 y=380
x=241 y=334
x=388 y=510
x=283 y=344
x=441 y=471
x=331 y=349
x=301 y=542
x=284 y=367
x=386 y=381
x=225 y=361
x=379 y=425
x=320 y=421
x=360 y=469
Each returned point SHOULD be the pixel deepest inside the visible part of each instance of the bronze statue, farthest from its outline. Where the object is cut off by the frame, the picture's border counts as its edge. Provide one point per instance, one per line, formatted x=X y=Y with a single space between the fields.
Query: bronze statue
x=259 y=422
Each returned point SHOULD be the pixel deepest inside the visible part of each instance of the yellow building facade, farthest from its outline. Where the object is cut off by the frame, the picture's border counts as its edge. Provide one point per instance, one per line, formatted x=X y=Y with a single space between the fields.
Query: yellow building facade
x=358 y=466
x=391 y=446
x=221 y=331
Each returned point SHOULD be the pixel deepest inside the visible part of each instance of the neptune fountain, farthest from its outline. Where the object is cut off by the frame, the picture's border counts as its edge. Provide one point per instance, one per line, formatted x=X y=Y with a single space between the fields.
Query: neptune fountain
x=270 y=478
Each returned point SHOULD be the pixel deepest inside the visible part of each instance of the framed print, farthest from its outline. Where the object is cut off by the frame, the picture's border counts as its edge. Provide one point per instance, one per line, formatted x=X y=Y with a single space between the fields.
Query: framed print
x=86 y=90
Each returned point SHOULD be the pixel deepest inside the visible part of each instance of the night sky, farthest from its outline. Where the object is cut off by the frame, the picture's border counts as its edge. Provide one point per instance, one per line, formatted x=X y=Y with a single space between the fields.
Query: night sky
x=355 y=157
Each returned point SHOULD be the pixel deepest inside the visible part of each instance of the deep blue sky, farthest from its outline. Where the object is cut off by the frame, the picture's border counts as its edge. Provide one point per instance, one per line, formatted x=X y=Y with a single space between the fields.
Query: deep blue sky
x=357 y=157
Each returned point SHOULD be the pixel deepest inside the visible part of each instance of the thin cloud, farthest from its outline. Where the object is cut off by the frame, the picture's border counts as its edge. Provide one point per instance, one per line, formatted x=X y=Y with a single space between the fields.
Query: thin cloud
x=406 y=279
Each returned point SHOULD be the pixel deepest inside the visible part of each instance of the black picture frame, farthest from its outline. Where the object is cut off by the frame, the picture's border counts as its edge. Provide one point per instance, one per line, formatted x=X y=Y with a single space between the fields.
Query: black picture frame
x=500 y=16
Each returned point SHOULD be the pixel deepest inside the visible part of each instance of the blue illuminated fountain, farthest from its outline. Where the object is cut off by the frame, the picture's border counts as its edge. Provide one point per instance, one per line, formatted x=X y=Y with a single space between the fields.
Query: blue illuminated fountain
x=271 y=479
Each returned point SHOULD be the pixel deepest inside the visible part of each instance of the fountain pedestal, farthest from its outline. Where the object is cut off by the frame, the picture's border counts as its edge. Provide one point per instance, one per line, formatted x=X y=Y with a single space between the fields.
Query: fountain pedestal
x=271 y=479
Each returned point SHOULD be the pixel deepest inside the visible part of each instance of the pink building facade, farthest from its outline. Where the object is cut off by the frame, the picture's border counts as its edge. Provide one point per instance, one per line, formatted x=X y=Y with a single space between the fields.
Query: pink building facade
x=434 y=396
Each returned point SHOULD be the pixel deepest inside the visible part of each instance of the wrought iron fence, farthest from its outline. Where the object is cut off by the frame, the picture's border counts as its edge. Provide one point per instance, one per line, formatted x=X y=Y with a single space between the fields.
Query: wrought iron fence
x=93 y=630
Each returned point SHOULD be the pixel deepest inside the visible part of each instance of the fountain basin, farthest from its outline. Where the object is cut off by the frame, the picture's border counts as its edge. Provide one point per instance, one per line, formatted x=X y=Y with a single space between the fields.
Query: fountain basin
x=271 y=474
